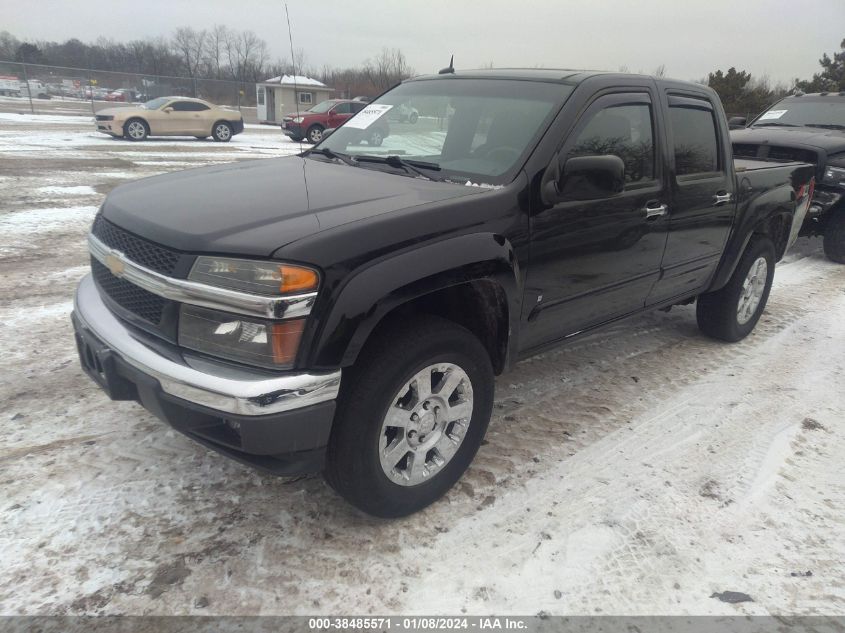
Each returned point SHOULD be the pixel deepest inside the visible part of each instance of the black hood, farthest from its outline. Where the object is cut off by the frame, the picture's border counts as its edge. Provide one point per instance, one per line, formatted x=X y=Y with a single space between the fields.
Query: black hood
x=831 y=141
x=253 y=208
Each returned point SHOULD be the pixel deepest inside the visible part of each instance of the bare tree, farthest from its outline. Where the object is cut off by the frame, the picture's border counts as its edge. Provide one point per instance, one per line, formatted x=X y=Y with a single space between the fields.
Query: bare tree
x=215 y=50
x=160 y=59
x=247 y=55
x=388 y=68
x=190 y=46
x=659 y=72
x=8 y=45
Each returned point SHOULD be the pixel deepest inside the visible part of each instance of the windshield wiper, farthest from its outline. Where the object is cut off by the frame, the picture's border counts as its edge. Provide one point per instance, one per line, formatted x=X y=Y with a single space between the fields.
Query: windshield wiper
x=411 y=166
x=826 y=126
x=774 y=123
x=325 y=151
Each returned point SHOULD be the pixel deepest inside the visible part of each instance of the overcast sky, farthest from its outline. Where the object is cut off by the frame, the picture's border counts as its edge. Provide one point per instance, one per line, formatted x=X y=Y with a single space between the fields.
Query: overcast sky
x=780 y=38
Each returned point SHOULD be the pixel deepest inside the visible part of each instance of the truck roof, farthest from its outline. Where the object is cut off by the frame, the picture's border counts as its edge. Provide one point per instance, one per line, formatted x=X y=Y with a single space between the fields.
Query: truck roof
x=556 y=75
x=805 y=95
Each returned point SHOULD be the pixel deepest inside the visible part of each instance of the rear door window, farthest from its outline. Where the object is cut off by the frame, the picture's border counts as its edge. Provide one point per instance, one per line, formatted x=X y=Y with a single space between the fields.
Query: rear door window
x=695 y=143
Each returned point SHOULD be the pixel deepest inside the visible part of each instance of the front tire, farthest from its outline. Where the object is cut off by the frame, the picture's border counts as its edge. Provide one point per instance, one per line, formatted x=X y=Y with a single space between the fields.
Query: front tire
x=731 y=313
x=136 y=130
x=376 y=138
x=834 y=237
x=411 y=417
x=222 y=132
x=314 y=134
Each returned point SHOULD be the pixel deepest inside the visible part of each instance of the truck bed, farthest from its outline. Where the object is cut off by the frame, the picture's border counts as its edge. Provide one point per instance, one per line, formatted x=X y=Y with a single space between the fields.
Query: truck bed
x=752 y=164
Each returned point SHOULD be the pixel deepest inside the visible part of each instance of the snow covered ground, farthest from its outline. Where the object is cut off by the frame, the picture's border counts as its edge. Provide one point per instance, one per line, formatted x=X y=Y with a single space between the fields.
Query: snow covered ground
x=641 y=470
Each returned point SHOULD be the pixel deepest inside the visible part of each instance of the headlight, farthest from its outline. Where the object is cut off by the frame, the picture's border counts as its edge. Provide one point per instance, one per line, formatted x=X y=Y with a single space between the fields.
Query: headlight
x=298 y=119
x=271 y=344
x=262 y=278
x=834 y=175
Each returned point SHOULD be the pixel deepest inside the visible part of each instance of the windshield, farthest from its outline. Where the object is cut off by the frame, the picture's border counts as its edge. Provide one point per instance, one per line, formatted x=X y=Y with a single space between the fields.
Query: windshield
x=155 y=104
x=323 y=106
x=468 y=129
x=805 y=111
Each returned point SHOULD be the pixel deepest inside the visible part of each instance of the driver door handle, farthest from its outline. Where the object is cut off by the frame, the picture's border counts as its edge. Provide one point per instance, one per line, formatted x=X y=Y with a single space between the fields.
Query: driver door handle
x=656 y=212
x=722 y=198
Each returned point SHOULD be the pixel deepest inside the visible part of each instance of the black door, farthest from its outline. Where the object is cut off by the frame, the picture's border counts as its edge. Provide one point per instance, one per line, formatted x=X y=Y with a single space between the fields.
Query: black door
x=595 y=260
x=702 y=209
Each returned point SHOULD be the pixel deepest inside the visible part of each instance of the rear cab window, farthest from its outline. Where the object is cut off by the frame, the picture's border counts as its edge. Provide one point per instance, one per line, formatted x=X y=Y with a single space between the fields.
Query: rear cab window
x=695 y=145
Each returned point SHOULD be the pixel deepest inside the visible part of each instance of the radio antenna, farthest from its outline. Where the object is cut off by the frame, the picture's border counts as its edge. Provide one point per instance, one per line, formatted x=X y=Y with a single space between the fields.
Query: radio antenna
x=450 y=69
x=293 y=65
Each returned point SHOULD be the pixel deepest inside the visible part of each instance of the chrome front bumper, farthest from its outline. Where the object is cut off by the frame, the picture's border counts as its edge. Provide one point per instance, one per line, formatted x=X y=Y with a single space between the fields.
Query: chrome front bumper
x=202 y=381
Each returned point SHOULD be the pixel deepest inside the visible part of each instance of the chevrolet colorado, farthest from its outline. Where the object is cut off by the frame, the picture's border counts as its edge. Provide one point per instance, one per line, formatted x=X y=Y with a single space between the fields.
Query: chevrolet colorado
x=347 y=309
x=810 y=128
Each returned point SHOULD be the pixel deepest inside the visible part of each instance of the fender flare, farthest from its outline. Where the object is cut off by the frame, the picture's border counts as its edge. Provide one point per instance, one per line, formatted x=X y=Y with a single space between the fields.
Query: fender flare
x=760 y=209
x=383 y=285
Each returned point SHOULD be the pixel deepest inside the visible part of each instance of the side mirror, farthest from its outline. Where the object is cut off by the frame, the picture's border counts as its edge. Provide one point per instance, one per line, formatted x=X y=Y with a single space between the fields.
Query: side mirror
x=587 y=178
x=583 y=178
x=168 y=109
x=737 y=122
x=328 y=132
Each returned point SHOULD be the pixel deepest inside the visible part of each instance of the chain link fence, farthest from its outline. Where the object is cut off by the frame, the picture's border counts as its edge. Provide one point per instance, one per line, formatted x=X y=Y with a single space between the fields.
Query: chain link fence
x=60 y=90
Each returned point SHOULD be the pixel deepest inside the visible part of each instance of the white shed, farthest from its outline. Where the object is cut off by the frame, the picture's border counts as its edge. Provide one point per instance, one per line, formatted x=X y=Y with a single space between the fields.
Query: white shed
x=279 y=96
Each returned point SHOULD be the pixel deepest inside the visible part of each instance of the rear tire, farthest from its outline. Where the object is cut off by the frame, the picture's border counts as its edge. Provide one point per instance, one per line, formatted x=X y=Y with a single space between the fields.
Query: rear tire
x=731 y=313
x=834 y=237
x=382 y=460
x=222 y=132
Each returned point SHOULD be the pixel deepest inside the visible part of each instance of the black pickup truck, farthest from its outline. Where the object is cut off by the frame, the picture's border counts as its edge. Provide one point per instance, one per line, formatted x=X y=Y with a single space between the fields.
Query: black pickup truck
x=347 y=309
x=809 y=128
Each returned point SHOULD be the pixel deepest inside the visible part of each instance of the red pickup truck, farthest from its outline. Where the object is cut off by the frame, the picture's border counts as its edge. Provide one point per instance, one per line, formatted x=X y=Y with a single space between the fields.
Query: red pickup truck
x=310 y=124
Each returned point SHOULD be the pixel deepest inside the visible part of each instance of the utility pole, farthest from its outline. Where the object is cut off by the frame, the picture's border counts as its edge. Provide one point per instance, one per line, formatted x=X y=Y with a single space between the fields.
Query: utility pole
x=28 y=89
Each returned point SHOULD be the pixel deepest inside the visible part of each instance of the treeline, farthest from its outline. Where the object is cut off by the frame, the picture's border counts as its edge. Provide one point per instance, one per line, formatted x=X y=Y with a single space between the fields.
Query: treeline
x=745 y=95
x=242 y=56
x=217 y=53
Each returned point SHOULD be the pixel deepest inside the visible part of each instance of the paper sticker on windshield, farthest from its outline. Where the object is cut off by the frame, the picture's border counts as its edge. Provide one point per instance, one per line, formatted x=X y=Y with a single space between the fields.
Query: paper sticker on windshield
x=773 y=114
x=369 y=115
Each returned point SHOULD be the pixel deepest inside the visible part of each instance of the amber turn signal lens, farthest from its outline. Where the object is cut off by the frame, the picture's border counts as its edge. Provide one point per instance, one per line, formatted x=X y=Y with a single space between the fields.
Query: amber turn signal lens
x=296 y=279
x=286 y=337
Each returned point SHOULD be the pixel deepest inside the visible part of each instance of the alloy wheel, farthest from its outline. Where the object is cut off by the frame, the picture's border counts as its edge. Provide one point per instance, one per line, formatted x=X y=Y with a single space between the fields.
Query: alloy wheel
x=425 y=424
x=752 y=290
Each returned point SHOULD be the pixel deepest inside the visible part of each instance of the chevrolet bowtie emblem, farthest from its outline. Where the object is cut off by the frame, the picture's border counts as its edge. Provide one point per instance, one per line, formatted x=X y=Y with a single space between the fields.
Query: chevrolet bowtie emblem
x=115 y=264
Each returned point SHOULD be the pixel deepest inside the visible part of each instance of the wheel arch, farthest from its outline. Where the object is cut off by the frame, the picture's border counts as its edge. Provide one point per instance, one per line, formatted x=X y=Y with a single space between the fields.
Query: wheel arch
x=472 y=280
x=217 y=121
x=136 y=117
x=769 y=212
